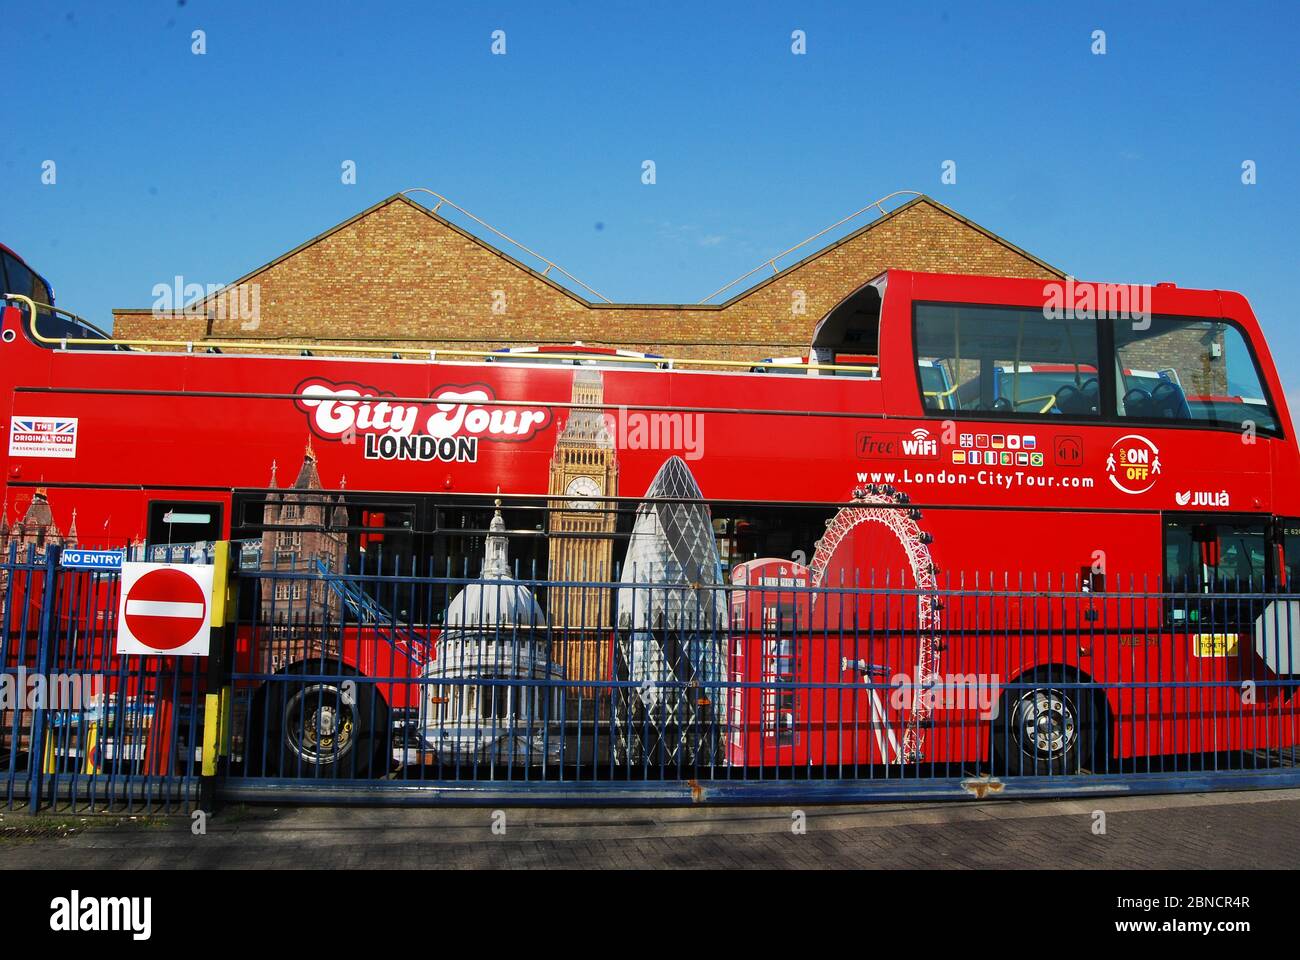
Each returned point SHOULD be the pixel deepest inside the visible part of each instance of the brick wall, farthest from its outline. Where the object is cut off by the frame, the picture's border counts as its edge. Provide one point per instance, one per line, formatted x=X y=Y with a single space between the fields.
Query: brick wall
x=398 y=275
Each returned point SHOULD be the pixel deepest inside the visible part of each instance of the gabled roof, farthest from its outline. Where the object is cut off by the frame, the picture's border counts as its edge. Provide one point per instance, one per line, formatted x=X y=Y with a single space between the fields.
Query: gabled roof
x=496 y=251
x=880 y=221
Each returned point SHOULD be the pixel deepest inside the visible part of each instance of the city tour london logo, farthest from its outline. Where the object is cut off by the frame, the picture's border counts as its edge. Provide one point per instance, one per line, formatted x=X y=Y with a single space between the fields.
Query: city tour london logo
x=447 y=427
x=1133 y=464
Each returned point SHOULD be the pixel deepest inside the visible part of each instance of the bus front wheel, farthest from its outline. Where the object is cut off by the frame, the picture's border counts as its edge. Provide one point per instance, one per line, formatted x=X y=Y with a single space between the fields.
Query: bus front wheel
x=320 y=726
x=1044 y=727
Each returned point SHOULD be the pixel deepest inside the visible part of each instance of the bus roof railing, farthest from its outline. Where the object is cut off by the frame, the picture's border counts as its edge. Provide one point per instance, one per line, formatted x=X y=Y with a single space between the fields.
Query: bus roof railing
x=398 y=352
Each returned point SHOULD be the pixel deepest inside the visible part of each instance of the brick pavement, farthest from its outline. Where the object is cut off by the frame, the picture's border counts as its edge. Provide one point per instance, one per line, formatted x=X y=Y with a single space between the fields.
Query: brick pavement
x=1251 y=830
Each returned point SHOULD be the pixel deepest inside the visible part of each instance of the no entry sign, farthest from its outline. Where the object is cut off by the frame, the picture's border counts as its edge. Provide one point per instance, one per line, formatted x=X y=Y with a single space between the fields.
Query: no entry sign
x=165 y=609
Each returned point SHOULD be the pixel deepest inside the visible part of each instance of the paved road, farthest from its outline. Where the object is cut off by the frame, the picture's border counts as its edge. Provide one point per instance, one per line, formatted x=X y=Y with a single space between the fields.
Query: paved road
x=1227 y=830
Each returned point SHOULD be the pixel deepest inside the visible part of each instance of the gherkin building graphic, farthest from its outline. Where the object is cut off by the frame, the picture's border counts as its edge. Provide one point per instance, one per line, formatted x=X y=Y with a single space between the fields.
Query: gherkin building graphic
x=671 y=622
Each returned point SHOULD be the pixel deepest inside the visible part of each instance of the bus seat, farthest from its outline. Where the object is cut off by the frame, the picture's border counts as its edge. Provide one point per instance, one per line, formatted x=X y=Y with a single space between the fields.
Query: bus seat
x=1137 y=403
x=1070 y=400
x=1091 y=391
x=1169 y=402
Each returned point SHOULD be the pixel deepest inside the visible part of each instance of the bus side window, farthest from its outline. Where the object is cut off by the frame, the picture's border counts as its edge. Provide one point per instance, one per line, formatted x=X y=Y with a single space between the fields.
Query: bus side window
x=1005 y=360
x=1199 y=370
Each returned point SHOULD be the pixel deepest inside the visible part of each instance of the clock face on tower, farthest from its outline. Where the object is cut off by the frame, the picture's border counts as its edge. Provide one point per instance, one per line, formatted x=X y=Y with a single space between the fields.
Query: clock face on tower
x=583 y=487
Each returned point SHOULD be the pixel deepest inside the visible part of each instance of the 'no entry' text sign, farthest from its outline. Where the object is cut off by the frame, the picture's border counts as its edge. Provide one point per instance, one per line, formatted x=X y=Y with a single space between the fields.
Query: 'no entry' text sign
x=165 y=609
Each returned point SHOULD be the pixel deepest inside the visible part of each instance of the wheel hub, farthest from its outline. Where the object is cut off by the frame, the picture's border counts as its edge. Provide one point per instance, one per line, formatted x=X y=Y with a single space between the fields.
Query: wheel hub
x=317 y=727
x=1046 y=723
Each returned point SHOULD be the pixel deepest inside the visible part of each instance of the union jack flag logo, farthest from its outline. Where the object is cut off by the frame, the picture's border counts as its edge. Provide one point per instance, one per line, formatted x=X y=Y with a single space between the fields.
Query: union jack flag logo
x=46 y=425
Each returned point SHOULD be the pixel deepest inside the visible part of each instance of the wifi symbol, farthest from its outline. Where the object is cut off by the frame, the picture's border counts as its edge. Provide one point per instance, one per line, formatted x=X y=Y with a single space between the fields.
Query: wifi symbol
x=920 y=434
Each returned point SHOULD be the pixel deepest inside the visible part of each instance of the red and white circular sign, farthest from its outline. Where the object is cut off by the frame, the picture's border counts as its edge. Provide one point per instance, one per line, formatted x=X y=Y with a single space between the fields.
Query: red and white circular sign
x=165 y=609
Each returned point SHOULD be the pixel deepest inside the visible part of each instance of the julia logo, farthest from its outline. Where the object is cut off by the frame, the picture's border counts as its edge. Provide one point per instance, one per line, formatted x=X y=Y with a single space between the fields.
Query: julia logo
x=1202 y=498
x=1133 y=464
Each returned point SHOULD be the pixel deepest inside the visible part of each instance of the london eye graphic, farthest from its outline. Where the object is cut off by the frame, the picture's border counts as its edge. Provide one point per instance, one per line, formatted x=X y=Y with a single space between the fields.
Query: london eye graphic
x=889 y=509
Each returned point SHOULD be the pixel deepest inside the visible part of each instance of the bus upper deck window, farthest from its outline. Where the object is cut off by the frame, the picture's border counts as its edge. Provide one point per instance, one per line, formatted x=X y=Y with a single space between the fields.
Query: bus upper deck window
x=1005 y=360
x=1198 y=370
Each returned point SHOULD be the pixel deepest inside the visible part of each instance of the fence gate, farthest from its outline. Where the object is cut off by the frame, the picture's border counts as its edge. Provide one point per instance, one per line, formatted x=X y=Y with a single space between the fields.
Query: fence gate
x=82 y=729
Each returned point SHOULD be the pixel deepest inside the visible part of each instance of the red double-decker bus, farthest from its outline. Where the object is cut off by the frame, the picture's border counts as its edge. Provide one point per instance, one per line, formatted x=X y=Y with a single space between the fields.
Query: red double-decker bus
x=1130 y=447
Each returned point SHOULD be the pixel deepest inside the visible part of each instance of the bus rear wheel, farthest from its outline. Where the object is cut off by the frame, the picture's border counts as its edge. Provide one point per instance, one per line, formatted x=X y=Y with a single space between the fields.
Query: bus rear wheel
x=322 y=727
x=1043 y=728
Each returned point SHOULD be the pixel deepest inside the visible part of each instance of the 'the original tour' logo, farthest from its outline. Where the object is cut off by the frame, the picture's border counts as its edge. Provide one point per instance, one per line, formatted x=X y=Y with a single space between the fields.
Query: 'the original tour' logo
x=43 y=437
x=1133 y=464
x=446 y=427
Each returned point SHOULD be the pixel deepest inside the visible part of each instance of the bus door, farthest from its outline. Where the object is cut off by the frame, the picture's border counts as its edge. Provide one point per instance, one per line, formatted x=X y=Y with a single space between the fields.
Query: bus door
x=1277 y=631
x=1217 y=568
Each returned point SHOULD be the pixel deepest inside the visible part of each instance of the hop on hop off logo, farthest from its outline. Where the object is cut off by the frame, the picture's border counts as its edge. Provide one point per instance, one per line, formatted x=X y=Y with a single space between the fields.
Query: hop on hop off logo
x=1133 y=464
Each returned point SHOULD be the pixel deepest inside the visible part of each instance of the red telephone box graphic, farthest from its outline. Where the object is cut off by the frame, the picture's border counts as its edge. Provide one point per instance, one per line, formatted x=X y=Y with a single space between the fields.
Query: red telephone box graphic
x=769 y=646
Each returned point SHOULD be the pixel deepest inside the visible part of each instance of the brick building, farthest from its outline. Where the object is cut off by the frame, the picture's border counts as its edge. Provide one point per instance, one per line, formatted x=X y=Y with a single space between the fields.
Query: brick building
x=398 y=274
x=32 y=533
x=305 y=536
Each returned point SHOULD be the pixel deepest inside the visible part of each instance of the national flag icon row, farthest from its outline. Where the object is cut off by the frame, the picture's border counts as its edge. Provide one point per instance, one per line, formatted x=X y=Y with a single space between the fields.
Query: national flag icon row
x=998 y=441
x=998 y=458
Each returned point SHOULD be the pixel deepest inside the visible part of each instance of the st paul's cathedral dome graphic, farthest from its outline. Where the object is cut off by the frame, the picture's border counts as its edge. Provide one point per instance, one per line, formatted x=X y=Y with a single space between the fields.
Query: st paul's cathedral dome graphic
x=494 y=630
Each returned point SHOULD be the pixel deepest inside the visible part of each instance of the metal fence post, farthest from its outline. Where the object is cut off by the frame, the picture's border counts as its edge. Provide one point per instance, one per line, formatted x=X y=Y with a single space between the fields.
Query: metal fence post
x=47 y=636
x=218 y=696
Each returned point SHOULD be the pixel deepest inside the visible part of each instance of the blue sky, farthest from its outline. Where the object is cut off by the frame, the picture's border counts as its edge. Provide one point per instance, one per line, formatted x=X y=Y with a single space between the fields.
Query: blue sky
x=1122 y=167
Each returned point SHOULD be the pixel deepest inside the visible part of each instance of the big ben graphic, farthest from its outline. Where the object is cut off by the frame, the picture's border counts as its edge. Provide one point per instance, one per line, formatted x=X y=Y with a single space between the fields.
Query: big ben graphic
x=584 y=468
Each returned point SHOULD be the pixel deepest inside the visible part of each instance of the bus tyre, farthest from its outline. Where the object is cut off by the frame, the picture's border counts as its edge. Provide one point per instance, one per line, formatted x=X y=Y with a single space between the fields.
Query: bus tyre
x=1043 y=727
x=320 y=726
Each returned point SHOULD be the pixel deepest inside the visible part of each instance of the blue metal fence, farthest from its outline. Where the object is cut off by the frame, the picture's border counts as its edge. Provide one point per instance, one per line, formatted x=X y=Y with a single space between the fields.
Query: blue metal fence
x=406 y=687
x=81 y=728
x=689 y=691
